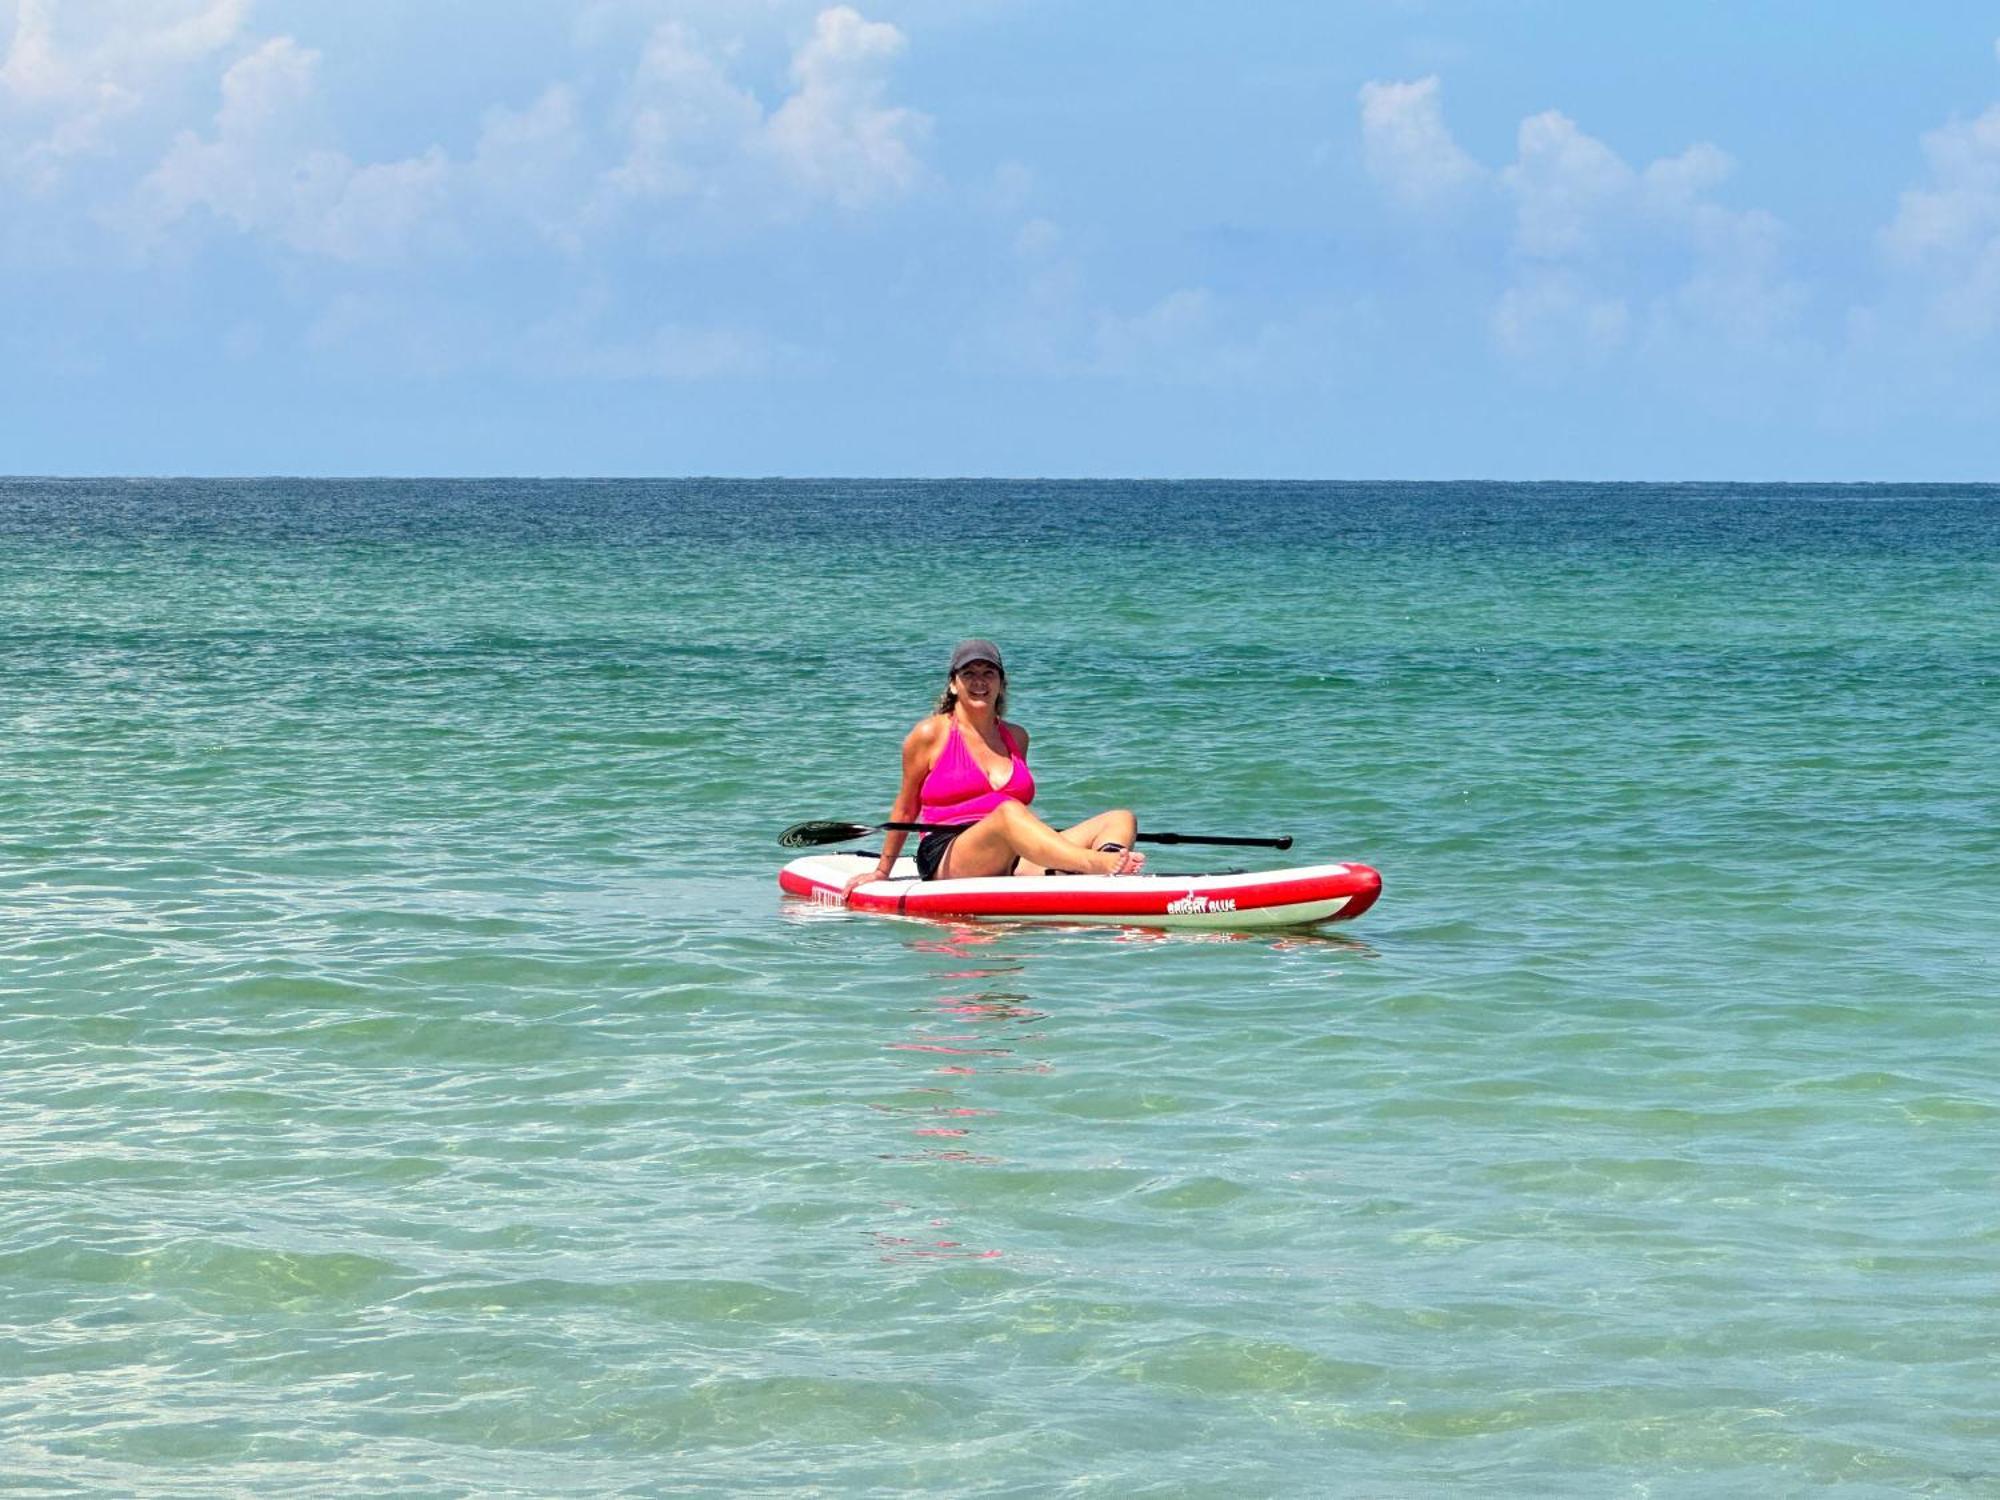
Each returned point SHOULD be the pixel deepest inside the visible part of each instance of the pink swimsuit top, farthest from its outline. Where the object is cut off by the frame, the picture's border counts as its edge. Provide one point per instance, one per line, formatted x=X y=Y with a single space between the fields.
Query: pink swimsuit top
x=957 y=790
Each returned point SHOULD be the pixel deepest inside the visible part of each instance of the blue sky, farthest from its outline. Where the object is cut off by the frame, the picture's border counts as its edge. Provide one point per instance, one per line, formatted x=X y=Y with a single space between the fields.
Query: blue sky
x=1374 y=239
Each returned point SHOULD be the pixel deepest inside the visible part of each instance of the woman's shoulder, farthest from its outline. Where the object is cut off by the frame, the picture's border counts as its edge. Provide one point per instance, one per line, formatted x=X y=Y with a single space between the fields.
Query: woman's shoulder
x=929 y=730
x=1015 y=732
x=922 y=744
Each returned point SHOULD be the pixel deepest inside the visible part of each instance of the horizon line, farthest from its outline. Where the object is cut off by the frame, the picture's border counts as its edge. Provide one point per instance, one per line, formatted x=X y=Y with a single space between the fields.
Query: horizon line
x=1178 y=479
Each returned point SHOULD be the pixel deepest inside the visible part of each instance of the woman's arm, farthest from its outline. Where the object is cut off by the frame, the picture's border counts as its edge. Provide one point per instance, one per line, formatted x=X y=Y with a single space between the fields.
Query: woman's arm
x=919 y=751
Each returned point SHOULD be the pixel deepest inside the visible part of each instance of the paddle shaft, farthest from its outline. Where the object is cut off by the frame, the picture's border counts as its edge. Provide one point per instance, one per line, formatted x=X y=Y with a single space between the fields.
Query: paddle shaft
x=1282 y=842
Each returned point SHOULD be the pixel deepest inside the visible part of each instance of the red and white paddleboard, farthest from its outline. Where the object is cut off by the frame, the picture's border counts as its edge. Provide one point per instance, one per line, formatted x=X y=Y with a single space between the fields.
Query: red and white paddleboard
x=1260 y=898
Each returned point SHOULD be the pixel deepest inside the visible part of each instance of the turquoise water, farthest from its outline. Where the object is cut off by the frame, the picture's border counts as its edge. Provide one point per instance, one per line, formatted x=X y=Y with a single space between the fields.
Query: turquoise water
x=413 y=1083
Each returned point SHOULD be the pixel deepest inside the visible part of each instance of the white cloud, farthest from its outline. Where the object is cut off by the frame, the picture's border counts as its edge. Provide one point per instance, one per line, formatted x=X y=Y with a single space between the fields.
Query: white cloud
x=1566 y=187
x=1946 y=233
x=75 y=69
x=676 y=135
x=1679 y=182
x=673 y=143
x=265 y=172
x=83 y=52
x=693 y=132
x=1408 y=148
x=686 y=119
x=1737 y=287
x=834 y=135
x=1604 y=255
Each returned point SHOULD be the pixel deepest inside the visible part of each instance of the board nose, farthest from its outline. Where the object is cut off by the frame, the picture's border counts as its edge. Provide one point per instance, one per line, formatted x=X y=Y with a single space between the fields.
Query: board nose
x=1368 y=890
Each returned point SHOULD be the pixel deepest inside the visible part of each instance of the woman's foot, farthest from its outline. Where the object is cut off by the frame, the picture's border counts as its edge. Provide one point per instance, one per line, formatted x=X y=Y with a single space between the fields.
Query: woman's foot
x=1130 y=862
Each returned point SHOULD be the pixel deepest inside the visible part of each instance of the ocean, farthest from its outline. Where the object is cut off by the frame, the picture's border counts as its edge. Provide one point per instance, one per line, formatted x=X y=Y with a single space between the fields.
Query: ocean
x=412 y=1082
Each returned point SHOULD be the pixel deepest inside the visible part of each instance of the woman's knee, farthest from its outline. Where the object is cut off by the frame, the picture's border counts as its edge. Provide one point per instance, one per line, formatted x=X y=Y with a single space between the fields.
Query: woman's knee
x=1010 y=814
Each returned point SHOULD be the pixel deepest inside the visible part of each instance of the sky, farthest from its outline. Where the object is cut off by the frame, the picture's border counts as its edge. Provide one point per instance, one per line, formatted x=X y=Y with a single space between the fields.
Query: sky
x=1352 y=239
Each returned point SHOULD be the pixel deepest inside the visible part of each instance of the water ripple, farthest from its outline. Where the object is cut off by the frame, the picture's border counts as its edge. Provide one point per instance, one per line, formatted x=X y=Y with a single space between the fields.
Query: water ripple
x=413 y=1085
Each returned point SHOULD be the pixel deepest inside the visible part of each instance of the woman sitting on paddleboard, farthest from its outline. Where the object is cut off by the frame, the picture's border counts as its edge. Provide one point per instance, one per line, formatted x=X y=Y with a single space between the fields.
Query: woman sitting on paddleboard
x=968 y=767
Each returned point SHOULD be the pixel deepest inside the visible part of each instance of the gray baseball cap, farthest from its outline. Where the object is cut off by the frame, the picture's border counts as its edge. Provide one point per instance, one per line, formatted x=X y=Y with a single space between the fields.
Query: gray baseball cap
x=976 y=650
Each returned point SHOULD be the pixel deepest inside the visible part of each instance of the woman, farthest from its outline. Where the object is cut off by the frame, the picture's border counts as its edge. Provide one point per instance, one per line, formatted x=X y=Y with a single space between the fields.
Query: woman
x=968 y=767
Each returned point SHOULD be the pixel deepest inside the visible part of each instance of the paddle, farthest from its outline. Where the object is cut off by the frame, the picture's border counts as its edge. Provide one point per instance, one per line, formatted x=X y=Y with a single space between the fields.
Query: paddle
x=806 y=835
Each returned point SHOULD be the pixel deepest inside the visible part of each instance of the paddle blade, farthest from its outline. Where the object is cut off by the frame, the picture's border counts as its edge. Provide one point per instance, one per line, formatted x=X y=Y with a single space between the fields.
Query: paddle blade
x=807 y=835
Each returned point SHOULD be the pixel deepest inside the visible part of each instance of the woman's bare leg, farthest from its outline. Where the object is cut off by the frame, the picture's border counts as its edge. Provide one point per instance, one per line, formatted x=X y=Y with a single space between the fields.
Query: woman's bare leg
x=1011 y=832
x=1118 y=827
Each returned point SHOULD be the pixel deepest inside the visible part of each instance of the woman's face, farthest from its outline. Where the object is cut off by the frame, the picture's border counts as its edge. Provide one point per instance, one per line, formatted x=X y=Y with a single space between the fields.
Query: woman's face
x=977 y=682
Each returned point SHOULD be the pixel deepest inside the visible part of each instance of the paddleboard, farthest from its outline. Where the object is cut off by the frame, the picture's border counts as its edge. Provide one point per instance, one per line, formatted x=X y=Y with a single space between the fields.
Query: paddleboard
x=1259 y=898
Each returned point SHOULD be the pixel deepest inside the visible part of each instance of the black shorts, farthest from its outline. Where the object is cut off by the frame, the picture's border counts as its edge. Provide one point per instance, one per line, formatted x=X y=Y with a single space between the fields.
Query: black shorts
x=931 y=851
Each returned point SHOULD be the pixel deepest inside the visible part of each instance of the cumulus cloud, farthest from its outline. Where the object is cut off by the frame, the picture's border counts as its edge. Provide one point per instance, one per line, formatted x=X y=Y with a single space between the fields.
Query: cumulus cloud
x=693 y=132
x=266 y=171
x=1946 y=233
x=686 y=119
x=680 y=131
x=75 y=69
x=1737 y=283
x=835 y=135
x=1565 y=185
x=1408 y=148
x=1680 y=182
x=199 y=132
x=1603 y=253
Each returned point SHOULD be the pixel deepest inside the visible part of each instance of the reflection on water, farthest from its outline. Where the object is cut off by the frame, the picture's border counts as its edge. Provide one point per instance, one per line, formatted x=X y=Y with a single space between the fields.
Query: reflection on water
x=983 y=1024
x=972 y=1029
x=959 y=1035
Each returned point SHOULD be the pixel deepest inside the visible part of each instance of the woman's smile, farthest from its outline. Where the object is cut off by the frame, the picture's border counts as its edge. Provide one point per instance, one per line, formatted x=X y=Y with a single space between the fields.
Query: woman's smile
x=979 y=681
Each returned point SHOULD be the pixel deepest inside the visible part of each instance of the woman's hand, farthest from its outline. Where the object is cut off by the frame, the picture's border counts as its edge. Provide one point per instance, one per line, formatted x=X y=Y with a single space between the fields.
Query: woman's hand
x=847 y=891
